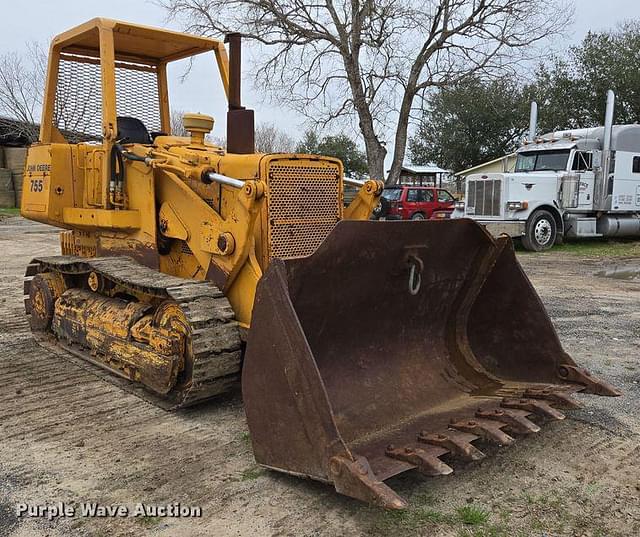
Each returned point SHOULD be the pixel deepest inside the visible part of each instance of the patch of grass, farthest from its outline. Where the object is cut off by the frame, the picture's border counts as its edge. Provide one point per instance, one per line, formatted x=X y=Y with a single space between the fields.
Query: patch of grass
x=595 y=248
x=411 y=519
x=487 y=531
x=424 y=498
x=472 y=515
x=592 y=488
x=245 y=438
x=253 y=472
x=14 y=211
x=148 y=521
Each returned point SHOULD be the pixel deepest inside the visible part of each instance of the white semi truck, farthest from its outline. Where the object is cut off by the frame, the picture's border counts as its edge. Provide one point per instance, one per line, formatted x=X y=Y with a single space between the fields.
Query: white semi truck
x=575 y=183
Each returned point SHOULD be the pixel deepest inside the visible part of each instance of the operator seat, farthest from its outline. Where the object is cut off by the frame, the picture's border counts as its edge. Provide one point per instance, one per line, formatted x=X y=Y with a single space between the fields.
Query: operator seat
x=132 y=131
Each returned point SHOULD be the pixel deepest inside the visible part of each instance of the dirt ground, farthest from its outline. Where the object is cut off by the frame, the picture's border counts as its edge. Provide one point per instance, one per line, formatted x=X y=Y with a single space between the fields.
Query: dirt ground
x=68 y=436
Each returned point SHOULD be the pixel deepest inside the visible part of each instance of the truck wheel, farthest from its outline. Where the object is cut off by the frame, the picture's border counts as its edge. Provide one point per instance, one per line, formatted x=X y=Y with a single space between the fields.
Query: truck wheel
x=417 y=216
x=541 y=231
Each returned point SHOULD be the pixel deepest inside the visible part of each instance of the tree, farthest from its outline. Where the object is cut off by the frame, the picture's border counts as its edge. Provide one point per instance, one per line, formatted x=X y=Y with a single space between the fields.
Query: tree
x=309 y=143
x=22 y=80
x=367 y=60
x=609 y=60
x=340 y=146
x=478 y=120
x=270 y=139
x=177 y=125
x=561 y=96
x=470 y=123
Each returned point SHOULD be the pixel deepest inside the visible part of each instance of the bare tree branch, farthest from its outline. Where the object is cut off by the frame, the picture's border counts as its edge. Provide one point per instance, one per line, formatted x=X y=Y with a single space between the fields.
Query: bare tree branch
x=270 y=139
x=21 y=85
x=370 y=61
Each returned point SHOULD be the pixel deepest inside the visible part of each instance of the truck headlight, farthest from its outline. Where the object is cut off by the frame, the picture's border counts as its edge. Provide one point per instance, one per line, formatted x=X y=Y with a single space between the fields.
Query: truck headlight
x=459 y=205
x=517 y=205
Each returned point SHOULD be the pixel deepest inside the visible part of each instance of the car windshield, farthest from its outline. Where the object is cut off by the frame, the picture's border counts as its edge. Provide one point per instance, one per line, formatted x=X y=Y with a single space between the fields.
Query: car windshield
x=392 y=194
x=542 y=160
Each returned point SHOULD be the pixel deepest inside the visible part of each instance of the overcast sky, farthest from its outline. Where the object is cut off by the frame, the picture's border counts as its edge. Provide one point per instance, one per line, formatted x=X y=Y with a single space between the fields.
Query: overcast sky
x=39 y=20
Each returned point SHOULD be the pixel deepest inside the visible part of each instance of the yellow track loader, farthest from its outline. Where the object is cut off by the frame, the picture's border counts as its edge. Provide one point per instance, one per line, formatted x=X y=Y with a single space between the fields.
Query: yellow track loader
x=367 y=348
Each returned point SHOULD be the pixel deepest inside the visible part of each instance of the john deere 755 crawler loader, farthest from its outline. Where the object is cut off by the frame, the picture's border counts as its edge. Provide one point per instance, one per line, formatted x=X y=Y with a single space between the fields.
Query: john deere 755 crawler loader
x=368 y=348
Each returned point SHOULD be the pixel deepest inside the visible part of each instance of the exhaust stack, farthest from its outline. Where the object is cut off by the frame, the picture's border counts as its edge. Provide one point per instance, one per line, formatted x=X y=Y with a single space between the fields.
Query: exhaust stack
x=608 y=120
x=240 y=121
x=533 y=121
x=602 y=196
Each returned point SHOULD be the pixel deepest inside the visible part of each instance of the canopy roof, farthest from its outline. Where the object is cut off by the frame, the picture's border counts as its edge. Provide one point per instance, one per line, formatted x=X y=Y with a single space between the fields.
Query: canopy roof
x=134 y=42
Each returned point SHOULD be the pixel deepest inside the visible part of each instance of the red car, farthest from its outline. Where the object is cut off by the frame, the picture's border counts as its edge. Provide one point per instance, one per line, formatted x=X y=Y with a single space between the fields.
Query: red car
x=414 y=203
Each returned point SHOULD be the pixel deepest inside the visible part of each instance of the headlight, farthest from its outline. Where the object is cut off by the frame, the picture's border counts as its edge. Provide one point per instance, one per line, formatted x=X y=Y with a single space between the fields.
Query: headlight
x=517 y=205
x=459 y=205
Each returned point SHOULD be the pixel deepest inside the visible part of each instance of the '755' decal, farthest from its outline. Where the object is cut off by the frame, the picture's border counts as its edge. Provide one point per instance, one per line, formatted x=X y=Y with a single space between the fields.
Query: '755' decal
x=36 y=185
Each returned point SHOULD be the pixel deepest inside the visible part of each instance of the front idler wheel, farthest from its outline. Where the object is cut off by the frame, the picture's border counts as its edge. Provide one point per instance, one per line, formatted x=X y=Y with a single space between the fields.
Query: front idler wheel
x=45 y=289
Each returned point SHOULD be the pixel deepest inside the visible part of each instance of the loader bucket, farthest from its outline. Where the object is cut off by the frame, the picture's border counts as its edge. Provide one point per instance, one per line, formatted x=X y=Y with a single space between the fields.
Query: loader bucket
x=394 y=344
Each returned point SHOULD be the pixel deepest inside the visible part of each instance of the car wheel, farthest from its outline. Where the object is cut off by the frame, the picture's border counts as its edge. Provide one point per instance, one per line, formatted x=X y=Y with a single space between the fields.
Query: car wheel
x=541 y=231
x=417 y=216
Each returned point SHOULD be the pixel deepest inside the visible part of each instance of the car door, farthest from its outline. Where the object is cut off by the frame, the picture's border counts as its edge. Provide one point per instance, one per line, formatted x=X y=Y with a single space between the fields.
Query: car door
x=427 y=202
x=412 y=202
x=582 y=165
x=445 y=200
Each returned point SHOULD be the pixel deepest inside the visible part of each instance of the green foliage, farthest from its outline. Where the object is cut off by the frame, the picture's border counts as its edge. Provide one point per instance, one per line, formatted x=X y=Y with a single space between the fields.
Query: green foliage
x=410 y=519
x=12 y=211
x=251 y=473
x=340 y=146
x=609 y=60
x=469 y=123
x=593 y=248
x=472 y=515
x=477 y=120
x=148 y=521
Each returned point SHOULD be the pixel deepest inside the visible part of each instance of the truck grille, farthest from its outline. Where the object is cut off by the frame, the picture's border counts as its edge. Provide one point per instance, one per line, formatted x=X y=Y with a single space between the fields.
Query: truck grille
x=483 y=196
x=304 y=202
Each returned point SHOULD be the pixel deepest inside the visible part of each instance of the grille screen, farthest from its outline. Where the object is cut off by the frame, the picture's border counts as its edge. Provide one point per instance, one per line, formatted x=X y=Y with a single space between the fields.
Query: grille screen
x=304 y=206
x=77 y=111
x=485 y=197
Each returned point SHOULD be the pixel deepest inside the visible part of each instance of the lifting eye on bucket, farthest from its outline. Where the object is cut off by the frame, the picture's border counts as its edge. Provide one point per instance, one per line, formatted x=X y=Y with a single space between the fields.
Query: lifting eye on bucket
x=415 y=274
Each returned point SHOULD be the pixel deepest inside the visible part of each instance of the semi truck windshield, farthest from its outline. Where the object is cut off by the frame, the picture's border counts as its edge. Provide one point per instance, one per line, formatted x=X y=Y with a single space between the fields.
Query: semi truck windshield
x=542 y=160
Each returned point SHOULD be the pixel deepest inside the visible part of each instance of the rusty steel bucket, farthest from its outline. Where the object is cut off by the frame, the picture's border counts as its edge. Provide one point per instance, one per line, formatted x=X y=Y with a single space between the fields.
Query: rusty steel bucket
x=394 y=344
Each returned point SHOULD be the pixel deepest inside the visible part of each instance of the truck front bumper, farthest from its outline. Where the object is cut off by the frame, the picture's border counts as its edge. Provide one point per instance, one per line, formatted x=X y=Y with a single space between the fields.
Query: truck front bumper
x=511 y=228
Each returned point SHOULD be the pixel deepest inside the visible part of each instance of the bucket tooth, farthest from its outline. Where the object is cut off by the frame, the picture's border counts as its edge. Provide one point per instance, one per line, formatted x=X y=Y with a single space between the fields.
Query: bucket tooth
x=354 y=477
x=534 y=406
x=561 y=398
x=456 y=442
x=487 y=429
x=516 y=420
x=425 y=459
x=572 y=373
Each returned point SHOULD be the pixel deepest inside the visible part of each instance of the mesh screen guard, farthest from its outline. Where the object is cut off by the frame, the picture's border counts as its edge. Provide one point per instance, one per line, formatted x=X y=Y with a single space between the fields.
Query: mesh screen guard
x=77 y=111
x=304 y=206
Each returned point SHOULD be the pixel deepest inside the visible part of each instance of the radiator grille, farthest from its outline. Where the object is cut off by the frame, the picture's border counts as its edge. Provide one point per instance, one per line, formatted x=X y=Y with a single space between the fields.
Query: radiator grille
x=304 y=206
x=77 y=110
x=484 y=197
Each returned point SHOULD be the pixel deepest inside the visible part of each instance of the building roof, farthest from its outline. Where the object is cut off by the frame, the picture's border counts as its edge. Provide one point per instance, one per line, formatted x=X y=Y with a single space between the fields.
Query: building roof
x=469 y=171
x=418 y=169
